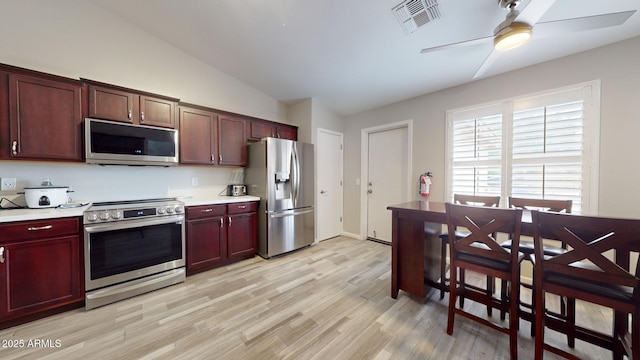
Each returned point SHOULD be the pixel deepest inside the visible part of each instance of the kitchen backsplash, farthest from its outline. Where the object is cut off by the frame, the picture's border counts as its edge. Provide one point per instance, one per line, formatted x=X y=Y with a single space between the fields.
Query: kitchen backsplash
x=108 y=183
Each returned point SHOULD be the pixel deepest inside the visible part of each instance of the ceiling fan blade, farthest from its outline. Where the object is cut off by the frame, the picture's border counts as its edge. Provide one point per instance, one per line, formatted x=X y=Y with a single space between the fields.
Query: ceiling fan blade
x=493 y=56
x=534 y=11
x=551 y=28
x=478 y=41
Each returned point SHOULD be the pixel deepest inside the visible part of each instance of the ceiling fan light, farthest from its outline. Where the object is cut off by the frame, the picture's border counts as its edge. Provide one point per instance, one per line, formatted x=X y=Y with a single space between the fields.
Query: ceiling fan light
x=512 y=36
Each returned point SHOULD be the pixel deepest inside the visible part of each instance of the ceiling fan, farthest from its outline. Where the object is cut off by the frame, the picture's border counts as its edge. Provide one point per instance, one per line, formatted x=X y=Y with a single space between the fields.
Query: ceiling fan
x=519 y=26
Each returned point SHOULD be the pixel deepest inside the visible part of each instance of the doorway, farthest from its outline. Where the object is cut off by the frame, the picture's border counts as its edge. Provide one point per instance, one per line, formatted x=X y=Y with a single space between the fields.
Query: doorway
x=386 y=174
x=330 y=188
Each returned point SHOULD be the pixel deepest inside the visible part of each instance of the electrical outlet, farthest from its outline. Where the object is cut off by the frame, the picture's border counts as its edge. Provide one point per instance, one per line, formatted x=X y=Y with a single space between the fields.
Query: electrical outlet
x=7 y=184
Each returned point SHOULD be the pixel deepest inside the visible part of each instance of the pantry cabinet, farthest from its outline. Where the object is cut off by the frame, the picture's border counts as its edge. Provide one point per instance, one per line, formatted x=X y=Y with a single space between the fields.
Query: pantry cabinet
x=220 y=234
x=209 y=138
x=120 y=104
x=40 y=264
x=42 y=117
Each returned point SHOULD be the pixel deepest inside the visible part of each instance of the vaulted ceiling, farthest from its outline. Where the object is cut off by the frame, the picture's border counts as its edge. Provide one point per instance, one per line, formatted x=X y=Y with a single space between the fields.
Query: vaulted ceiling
x=353 y=55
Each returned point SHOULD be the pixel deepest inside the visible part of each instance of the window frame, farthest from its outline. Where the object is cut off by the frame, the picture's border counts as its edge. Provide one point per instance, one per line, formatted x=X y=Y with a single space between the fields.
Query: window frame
x=588 y=92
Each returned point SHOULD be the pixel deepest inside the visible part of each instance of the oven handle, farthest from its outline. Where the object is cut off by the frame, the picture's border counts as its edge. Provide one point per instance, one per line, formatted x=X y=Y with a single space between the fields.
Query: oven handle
x=128 y=224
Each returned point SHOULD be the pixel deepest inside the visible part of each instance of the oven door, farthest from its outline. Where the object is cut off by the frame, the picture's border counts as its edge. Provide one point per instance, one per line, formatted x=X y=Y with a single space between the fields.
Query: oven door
x=130 y=249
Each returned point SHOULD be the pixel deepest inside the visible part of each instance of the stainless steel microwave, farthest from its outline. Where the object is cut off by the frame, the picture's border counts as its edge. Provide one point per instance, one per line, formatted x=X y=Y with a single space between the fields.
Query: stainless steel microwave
x=109 y=142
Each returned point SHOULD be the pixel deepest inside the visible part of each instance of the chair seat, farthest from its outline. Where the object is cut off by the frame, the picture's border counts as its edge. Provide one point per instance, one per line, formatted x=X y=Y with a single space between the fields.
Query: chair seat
x=611 y=291
x=527 y=248
x=459 y=235
x=502 y=265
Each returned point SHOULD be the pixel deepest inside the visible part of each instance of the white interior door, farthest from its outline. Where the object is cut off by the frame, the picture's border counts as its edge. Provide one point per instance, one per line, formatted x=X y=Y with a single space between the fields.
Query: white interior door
x=330 y=194
x=388 y=162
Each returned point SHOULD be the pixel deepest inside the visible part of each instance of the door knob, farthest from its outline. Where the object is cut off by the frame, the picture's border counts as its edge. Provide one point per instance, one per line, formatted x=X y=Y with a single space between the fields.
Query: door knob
x=370 y=191
x=323 y=192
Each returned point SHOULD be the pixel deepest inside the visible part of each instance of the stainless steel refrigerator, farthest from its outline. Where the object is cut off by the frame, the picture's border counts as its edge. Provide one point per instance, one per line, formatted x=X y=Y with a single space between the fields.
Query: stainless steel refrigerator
x=281 y=173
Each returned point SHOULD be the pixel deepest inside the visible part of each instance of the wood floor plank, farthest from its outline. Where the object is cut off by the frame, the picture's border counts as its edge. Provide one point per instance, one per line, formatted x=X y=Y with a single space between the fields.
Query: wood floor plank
x=329 y=301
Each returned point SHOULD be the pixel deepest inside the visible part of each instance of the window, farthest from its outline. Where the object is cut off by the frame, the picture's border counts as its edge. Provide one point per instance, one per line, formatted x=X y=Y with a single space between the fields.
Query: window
x=540 y=146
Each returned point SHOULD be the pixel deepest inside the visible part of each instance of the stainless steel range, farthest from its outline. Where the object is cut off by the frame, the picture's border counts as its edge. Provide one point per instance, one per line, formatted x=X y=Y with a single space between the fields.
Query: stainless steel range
x=132 y=247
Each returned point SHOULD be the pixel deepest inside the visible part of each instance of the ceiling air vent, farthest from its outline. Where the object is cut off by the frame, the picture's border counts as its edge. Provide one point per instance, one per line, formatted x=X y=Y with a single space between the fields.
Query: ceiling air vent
x=412 y=14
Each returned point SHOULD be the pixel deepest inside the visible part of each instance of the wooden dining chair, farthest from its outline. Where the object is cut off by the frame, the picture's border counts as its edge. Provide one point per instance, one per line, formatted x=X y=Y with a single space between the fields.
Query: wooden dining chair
x=478 y=251
x=487 y=201
x=526 y=247
x=586 y=272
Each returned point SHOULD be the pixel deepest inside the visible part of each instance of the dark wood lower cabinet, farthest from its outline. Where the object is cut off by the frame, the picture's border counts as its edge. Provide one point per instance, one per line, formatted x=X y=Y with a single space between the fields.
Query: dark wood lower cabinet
x=220 y=234
x=40 y=267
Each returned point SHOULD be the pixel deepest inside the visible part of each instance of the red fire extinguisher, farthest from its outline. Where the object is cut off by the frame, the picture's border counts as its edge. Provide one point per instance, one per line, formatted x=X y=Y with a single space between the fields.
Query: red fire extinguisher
x=425 y=184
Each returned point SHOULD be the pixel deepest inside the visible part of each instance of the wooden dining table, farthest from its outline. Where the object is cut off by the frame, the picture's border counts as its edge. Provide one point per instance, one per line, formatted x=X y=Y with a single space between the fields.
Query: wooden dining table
x=415 y=245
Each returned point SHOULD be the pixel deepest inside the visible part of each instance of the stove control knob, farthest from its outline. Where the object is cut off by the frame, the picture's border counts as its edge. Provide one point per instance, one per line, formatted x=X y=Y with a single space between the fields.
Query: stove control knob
x=104 y=216
x=92 y=216
x=161 y=210
x=116 y=214
x=170 y=210
x=179 y=209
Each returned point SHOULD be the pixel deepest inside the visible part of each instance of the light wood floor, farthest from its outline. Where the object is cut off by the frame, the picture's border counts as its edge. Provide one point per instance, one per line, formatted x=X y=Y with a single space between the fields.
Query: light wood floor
x=330 y=301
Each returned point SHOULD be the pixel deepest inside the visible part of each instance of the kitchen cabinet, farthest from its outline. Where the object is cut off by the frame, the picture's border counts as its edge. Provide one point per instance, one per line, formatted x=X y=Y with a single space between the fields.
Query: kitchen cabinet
x=44 y=115
x=40 y=266
x=232 y=141
x=206 y=237
x=242 y=230
x=261 y=129
x=220 y=234
x=208 y=138
x=120 y=104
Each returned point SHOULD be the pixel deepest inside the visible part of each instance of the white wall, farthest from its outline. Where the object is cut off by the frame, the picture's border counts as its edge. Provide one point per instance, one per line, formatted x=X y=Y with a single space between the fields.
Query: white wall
x=616 y=65
x=77 y=39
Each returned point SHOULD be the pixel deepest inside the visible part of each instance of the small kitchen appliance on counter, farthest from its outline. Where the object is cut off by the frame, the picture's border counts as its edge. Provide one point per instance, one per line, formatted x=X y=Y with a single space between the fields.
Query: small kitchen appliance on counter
x=46 y=195
x=236 y=190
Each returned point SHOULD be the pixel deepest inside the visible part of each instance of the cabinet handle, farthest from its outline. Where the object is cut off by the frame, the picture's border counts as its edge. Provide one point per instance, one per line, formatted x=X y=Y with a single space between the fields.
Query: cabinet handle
x=207 y=210
x=220 y=157
x=221 y=221
x=130 y=114
x=2 y=255
x=142 y=116
x=14 y=148
x=242 y=206
x=213 y=158
x=229 y=220
x=47 y=227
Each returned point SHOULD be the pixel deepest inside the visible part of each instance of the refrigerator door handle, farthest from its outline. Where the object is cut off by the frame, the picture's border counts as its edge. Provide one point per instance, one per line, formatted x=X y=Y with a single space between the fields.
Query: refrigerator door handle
x=296 y=176
x=291 y=213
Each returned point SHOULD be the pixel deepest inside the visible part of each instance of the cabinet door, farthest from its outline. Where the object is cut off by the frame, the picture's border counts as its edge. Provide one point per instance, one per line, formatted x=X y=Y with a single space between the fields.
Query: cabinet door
x=232 y=141
x=206 y=242
x=157 y=112
x=242 y=235
x=39 y=275
x=261 y=130
x=287 y=132
x=112 y=104
x=45 y=119
x=197 y=134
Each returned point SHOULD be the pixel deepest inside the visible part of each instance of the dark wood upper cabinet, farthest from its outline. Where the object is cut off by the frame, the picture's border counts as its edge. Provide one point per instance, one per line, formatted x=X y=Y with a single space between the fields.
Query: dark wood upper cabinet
x=120 y=104
x=197 y=136
x=209 y=138
x=232 y=141
x=45 y=118
x=262 y=128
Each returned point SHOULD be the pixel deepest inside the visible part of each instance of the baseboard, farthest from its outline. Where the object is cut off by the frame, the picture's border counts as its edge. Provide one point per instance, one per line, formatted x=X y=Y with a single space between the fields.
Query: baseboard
x=352 y=235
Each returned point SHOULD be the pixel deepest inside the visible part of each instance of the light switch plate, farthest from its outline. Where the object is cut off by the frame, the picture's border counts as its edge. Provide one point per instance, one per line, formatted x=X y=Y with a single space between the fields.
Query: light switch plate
x=7 y=184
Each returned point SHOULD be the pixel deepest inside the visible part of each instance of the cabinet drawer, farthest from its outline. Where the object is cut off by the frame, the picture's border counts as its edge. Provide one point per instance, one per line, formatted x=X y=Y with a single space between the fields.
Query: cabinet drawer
x=198 y=212
x=25 y=230
x=244 y=207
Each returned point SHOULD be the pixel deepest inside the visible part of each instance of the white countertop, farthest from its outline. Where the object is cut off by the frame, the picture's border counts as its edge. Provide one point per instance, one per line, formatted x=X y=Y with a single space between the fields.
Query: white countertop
x=39 y=214
x=10 y=215
x=215 y=199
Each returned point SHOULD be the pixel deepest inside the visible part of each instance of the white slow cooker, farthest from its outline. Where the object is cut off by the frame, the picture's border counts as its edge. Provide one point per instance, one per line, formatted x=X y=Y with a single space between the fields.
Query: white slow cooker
x=46 y=196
